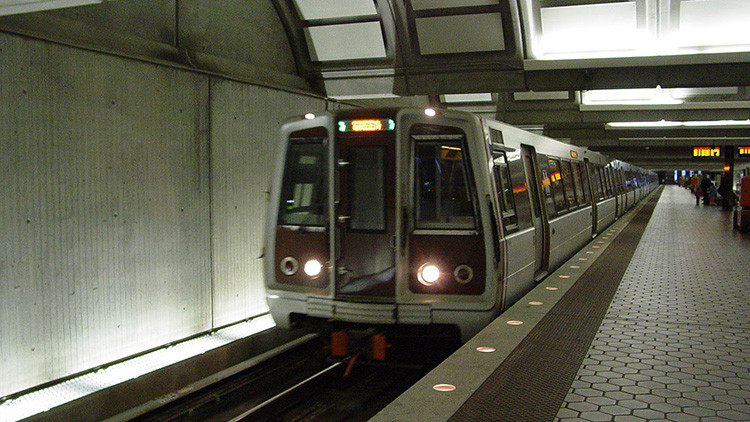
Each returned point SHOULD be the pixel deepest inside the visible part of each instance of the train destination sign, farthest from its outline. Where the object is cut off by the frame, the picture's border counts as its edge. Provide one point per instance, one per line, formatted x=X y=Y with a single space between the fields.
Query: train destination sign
x=706 y=152
x=366 y=125
x=744 y=151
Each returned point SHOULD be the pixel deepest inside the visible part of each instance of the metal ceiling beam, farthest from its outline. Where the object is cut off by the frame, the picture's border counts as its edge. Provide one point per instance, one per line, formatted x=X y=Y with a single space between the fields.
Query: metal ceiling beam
x=677 y=76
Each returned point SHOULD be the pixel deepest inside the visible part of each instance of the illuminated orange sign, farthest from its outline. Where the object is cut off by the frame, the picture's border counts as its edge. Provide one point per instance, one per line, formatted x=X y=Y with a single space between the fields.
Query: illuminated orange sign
x=520 y=189
x=743 y=151
x=366 y=125
x=706 y=152
x=555 y=177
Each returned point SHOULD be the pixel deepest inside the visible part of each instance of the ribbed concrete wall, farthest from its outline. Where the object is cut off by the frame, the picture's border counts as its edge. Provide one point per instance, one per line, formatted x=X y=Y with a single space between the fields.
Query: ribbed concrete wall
x=244 y=126
x=106 y=205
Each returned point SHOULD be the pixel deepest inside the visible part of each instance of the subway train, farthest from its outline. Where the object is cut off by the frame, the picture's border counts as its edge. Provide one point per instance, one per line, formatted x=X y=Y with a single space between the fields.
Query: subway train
x=428 y=217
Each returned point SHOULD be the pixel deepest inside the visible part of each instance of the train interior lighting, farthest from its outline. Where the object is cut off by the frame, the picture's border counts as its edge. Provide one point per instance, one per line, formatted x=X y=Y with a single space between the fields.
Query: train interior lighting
x=47 y=398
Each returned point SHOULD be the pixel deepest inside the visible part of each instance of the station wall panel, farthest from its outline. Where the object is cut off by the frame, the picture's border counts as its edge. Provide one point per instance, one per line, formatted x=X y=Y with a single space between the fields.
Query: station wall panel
x=244 y=126
x=106 y=218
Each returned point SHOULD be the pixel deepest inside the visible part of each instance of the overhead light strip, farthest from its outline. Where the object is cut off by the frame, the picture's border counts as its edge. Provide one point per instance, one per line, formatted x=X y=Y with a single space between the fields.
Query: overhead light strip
x=667 y=124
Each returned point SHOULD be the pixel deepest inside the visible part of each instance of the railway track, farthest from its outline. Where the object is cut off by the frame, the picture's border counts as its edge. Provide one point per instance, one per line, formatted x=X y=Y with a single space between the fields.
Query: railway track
x=301 y=384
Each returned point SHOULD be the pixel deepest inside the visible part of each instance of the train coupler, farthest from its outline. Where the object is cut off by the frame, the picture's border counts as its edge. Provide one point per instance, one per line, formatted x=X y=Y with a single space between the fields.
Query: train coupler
x=345 y=343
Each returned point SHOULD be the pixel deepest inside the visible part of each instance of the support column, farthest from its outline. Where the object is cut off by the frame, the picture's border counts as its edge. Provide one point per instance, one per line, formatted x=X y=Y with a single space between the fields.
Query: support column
x=727 y=179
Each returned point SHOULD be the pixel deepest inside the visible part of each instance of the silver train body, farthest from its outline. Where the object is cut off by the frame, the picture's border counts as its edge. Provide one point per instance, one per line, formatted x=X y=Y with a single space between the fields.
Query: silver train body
x=428 y=217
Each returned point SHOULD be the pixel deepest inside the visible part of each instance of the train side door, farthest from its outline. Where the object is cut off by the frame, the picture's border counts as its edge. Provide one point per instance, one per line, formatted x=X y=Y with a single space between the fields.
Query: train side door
x=594 y=197
x=541 y=223
x=365 y=216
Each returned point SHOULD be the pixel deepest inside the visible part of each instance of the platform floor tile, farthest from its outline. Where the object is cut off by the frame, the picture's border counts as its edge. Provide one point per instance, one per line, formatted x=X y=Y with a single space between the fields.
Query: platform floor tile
x=675 y=343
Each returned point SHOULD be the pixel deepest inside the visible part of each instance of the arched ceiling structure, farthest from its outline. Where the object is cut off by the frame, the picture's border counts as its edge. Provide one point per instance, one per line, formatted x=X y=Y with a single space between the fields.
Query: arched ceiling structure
x=679 y=68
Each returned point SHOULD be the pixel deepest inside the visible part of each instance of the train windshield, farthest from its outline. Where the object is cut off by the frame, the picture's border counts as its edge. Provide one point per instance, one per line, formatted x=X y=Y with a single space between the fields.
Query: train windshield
x=303 y=190
x=441 y=183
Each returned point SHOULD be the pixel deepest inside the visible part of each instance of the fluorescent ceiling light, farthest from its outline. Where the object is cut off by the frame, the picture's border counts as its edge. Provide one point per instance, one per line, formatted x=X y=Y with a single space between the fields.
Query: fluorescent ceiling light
x=633 y=125
x=707 y=123
x=42 y=400
x=672 y=124
x=645 y=96
x=466 y=98
x=541 y=96
x=619 y=29
x=375 y=96
x=695 y=92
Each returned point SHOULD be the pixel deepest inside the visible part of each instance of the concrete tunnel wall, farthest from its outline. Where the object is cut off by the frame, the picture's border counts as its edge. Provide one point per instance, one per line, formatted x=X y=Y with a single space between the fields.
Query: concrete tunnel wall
x=133 y=197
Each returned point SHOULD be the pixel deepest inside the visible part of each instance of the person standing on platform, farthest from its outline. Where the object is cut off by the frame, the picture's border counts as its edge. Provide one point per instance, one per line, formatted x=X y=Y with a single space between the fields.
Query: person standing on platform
x=694 y=188
x=706 y=185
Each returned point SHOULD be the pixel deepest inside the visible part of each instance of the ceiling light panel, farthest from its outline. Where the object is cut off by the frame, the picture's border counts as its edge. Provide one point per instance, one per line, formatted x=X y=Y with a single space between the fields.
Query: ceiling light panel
x=466 y=98
x=712 y=23
x=332 y=9
x=640 y=96
x=345 y=42
x=672 y=124
x=593 y=27
x=541 y=96
x=460 y=33
x=445 y=4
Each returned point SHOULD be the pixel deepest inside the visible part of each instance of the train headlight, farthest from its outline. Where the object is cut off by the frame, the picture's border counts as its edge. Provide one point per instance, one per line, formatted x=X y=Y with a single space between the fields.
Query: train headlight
x=313 y=268
x=428 y=274
x=289 y=266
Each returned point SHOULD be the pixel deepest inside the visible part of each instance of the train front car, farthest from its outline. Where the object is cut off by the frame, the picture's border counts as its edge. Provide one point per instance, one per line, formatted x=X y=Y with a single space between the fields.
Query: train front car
x=383 y=217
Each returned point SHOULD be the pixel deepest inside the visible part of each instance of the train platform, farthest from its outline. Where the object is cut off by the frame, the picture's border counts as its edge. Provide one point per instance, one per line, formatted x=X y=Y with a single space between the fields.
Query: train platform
x=649 y=322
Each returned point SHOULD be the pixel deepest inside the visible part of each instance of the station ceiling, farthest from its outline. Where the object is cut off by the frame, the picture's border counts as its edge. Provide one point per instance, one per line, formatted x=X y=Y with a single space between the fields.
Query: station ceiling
x=640 y=80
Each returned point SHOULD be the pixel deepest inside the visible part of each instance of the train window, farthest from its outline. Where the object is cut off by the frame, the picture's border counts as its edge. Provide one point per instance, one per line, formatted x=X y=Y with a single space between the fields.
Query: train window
x=367 y=188
x=505 y=191
x=303 y=189
x=596 y=182
x=605 y=185
x=519 y=189
x=581 y=195
x=610 y=186
x=614 y=176
x=549 y=200
x=567 y=179
x=555 y=178
x=443 y=197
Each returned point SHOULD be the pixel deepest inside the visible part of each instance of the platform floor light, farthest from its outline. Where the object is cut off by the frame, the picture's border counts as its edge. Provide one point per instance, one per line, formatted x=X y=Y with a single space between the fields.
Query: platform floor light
x=42 y=400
